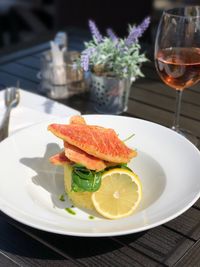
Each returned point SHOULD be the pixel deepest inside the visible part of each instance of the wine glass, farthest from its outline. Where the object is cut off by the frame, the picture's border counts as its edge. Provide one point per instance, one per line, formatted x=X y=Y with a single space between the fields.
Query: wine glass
x=177 y=54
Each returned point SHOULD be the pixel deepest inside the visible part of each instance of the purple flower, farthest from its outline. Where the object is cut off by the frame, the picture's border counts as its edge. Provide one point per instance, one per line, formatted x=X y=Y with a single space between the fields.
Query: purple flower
x=95 y=32
x=137 y=32
x=112 y=35
x=85 y=58
x=144 y=25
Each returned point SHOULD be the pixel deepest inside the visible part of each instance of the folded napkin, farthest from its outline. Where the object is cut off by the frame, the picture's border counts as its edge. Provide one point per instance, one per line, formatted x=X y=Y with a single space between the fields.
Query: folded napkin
x=33 y=109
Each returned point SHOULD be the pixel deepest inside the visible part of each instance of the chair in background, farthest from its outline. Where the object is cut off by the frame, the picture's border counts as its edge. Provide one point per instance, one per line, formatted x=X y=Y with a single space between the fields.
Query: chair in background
x=22 y=20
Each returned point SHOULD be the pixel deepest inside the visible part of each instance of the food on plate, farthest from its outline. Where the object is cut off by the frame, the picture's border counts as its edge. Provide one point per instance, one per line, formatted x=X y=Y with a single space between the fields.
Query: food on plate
x=117 y=197
x=75 y=154
x=79 y=199
x=59 y=159
x=96 y=175
x=97 y=141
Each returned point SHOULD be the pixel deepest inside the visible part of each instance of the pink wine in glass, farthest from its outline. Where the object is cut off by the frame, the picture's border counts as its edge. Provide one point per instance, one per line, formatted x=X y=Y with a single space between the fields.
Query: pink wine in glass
x=179 y=67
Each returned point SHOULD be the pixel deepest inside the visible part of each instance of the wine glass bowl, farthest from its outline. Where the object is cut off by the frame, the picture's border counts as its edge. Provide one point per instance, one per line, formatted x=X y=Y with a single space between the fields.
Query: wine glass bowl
x=179 y=67
x=177 y=51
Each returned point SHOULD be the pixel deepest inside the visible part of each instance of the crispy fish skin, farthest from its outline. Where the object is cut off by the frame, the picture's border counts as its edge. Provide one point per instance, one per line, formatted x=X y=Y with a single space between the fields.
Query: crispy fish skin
x=77 y=155
x=97 y=141
x=59 y=159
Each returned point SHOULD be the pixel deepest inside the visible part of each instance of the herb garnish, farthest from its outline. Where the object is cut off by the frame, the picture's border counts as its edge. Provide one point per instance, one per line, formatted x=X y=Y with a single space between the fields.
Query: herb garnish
x=62 y=198
x=70 y=211
x=85 y=180
x=128 y=138
x=119 y=166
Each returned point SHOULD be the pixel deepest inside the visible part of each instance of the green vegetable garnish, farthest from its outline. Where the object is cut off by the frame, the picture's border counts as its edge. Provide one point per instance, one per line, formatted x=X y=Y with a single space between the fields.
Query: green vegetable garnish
x=70 y=211
x=124 y=166
x=84 y=180
x=62 y=198
x=128 y=138
x=121 y=166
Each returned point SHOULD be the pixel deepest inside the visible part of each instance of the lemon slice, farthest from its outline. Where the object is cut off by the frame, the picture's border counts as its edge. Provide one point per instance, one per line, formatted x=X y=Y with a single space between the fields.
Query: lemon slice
x=119 y=195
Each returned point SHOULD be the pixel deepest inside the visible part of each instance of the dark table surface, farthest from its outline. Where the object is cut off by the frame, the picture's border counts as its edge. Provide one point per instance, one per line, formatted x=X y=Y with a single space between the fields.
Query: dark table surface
x=176 y=243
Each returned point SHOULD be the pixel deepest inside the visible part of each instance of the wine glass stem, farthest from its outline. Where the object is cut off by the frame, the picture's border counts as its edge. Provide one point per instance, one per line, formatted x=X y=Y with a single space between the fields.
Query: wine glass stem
x=175 y=126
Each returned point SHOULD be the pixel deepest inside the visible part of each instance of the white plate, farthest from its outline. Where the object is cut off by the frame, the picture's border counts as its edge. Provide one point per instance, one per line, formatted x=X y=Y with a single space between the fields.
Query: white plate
x=167 y=164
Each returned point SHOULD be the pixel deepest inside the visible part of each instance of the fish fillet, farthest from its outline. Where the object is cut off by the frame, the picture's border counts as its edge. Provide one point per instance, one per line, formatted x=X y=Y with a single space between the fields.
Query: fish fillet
x=79 y=156
x=97 y=141
x=59 y=159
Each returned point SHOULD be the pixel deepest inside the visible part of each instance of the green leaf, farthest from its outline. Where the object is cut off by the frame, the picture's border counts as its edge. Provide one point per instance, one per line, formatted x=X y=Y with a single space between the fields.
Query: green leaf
x=84 y=174
x=77 y=165
x=84 y=179
x=121 y=166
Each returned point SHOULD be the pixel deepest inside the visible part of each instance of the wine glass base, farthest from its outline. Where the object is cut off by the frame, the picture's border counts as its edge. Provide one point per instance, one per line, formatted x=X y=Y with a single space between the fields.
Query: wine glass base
x=188 y=135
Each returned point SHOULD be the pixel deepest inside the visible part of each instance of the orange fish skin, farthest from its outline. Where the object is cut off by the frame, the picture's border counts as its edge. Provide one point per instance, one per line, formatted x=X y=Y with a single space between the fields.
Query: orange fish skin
x=97 y=141
x=59 y=159
x=79 y=156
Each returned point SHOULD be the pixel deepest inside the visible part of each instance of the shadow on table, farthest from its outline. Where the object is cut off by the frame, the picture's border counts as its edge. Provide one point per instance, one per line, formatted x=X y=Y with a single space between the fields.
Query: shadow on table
x=34 y=244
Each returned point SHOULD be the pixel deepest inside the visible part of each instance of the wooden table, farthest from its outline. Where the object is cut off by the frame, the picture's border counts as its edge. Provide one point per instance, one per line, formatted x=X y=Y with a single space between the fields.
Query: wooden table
x=176 y=243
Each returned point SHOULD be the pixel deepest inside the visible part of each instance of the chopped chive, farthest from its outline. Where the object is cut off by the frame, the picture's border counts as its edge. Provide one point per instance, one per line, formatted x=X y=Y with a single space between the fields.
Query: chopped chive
x=91 y=217
x=69 y=210
x=62 y=198
x=128 y=138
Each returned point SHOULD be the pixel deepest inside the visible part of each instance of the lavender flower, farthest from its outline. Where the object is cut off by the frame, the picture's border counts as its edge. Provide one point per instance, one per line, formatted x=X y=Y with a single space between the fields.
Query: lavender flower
x=112 y=35
x=137 y=32
x=114 y=55
x=134 y=34
x=85 y=58
x=144 y=25
x=95 y=32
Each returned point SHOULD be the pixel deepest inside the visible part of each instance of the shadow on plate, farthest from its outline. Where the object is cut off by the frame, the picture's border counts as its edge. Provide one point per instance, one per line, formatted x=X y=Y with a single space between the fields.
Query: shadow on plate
x=50 y=178
x=152 y=176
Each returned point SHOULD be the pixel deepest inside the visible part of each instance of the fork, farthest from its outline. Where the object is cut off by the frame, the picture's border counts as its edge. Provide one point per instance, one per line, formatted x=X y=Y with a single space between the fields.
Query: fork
x=11 y=100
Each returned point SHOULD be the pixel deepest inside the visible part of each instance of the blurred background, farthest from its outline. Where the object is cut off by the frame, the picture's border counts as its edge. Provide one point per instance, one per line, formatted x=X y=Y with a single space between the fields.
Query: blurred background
x=27 y=22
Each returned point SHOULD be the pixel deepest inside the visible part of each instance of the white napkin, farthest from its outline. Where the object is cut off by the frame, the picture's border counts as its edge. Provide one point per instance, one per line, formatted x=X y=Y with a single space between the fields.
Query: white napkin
x=33 y=109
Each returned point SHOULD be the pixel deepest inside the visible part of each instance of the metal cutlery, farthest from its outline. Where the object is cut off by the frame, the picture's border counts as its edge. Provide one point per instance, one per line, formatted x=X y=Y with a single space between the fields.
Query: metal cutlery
x=11 y=100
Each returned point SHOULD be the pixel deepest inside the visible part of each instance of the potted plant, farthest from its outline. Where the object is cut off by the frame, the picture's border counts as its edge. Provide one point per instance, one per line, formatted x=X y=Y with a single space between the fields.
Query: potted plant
x=114 y=64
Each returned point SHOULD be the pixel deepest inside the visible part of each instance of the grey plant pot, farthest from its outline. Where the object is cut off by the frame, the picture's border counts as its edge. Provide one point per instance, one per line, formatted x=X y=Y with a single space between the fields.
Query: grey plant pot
x=109 y=94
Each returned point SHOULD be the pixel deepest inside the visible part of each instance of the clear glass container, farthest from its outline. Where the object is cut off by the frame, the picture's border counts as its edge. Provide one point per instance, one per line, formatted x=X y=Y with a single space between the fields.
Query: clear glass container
x=61 y=81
